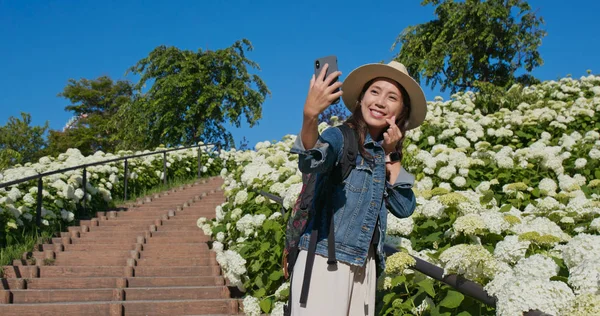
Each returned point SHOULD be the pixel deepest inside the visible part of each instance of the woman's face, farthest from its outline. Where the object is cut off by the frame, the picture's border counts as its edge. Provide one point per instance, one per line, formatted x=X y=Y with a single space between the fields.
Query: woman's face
x=381 y=101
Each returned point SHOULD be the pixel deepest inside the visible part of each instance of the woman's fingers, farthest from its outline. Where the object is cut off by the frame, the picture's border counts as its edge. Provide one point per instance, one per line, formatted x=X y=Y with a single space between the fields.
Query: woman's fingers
x=323 y=72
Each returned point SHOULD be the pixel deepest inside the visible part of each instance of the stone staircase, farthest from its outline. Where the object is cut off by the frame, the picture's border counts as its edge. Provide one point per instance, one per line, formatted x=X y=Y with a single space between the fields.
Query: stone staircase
x=151 y=259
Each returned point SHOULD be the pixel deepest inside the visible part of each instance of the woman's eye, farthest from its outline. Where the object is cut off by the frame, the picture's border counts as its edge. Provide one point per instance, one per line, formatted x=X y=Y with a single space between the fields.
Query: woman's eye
x=393 y=99
x=374 y=91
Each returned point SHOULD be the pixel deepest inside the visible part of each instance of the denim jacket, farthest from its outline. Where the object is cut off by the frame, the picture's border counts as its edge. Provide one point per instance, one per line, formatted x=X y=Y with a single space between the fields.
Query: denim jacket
x=358 y=203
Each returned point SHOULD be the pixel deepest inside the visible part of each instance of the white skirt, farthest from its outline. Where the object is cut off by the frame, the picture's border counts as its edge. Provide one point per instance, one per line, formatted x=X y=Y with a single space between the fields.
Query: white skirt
x=347 y=290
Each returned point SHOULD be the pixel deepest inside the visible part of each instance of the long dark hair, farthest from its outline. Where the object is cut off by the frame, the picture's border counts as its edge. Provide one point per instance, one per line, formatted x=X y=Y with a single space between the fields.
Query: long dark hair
x=357 y=121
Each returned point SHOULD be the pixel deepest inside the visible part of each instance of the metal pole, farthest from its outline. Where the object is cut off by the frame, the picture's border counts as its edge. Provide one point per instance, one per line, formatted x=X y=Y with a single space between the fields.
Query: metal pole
x=165 y=168
x=38 y=213
x=84 y=183
x=125 y=185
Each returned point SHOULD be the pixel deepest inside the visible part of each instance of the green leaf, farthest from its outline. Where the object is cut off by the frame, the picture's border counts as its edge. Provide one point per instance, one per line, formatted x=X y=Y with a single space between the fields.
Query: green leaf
x=433 y=237
x=388 y=297
x=265 y=304
x=505 y=208
x=275 y=275
x=463 y=313
x=560 y=278
x=487 y=197
x=260 y=293
x=452 y=299
x=265 y=246
x=398 y=280
x=427 y=286
x=597 y=174
x=429 y=223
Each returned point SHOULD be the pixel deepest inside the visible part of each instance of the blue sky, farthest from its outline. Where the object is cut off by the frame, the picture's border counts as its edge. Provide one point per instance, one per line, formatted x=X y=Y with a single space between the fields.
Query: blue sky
x=45 y=43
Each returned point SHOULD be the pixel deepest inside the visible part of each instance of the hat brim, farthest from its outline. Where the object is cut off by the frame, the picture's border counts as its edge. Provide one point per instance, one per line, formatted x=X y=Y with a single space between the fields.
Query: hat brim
x=357 y=79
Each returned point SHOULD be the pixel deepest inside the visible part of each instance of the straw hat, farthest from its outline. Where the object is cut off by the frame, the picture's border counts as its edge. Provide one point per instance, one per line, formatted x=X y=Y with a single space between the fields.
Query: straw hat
x=356 y=80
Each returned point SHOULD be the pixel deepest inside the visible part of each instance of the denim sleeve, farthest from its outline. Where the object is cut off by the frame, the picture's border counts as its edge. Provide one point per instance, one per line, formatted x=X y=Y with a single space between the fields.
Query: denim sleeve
x=323 y=156
x=401 y=199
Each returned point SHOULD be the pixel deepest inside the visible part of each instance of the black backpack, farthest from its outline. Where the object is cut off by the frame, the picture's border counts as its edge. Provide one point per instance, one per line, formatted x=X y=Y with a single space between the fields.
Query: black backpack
x=310 y=201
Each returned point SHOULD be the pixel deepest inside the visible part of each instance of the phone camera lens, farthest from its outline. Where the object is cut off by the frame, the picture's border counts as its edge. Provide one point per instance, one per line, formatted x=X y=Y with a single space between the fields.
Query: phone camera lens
x=318 y=64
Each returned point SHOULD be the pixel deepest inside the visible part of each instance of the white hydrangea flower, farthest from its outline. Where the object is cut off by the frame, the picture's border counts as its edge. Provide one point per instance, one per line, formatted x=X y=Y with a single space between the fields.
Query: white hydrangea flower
x=536 y=266
x=446 y=172
x=399 y=226
x=248 y=223
x=585 y=277
x=516 y=294
x=511 y=250
x=241 y=197
x=580 y=163
x=595 y=224
x=251 y=306
x=470 y=224
x=472 y=261
x=430 y=208
x=580 y=248
x=459 y=181
x=426 y=183
x=431 y=140
x=548 y=186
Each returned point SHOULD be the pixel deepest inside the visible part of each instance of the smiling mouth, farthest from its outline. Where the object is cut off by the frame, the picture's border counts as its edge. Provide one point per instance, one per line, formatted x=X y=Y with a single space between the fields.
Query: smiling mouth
x=376 y=113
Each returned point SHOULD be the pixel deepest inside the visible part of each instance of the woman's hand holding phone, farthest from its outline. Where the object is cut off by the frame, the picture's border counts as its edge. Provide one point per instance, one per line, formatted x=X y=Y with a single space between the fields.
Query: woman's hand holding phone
x=321 y=92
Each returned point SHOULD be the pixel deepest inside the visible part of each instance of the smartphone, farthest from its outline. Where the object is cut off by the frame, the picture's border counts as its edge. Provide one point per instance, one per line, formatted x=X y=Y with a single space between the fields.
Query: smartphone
x=333 y=67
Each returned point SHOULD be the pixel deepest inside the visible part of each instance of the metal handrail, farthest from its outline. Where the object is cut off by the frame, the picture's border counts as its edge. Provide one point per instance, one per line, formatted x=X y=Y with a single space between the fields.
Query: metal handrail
x=464 y=286
x=85 y=166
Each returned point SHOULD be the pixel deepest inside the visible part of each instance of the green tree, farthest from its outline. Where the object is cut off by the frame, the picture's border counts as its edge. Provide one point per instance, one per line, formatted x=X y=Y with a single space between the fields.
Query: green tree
x=193 y=94
x=95 y=104
x=473 y=44
x=20 y=142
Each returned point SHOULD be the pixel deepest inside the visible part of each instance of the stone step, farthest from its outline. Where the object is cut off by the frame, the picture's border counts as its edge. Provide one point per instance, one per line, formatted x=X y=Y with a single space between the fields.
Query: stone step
x=99 y=247
x=188 y=247
x=57 y=272
x=129 y=308
x=115 y=229
x=159 y=238
x=92 y=261
x=156 y=254
x=177 y=271
x=170 y=228
x=124 y=223
x=176 y=262
x=174 y=234
x=84 y=255
x=30 y=296
x=107 y=271
x=99 y=238
x=111 y=282
x=109 y=234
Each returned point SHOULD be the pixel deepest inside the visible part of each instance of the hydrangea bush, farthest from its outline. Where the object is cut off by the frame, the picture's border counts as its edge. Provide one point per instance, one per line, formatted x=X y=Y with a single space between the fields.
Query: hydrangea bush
x=63 y=193
x=510 y=200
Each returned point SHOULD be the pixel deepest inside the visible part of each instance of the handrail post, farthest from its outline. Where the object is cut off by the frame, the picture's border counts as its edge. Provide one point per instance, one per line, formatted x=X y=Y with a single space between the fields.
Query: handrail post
x=125 y=184
x=84 y=184
x=165 y=168
x=38 y=213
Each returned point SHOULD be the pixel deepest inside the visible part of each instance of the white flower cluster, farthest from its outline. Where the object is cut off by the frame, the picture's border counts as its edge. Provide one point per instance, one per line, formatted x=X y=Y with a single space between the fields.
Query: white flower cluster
x=233 y=265
x=249 y=223
x=531 y=280
x=65 y=190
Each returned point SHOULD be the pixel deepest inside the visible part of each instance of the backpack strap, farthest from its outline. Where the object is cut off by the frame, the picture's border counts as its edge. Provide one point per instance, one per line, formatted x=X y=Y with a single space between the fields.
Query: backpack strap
x=348 y=161
x=338 y=174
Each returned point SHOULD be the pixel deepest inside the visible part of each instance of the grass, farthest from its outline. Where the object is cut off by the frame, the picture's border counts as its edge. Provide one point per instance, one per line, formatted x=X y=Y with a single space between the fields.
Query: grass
x=29 y=240
x=25 y=244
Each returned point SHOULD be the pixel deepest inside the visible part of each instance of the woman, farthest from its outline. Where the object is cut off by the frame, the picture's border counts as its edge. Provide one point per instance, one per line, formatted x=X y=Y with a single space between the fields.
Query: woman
x=385 y=102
